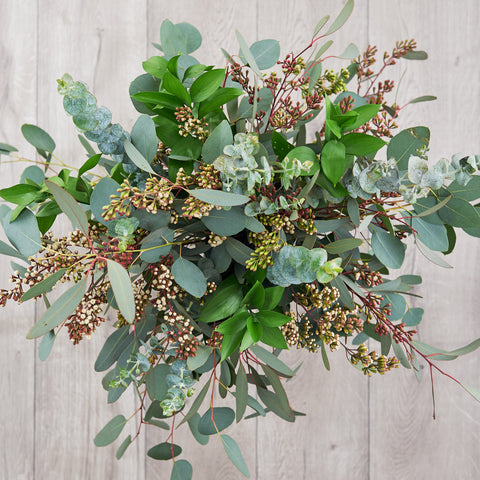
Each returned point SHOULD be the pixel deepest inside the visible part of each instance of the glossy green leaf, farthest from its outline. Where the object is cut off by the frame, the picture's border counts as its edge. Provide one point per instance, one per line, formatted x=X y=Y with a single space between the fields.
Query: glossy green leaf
x=110 y=431
x=274 y=337
x=122 y=289
x=164 y=451
x=272 y=319
x=273 y=295
x=361 y=144
x=188 y=276
x=333 y=160
x=255 y=296
x=206 y=84
x=215 y=420
x=63 y=307
x=44 y=286
x=156 y=66
x=234 y=454
x=181 y=470
x=136 y=157
x=20 y=194
x=37 y=137
x=343 y=245
x=69 y=206
x=221 y=97
x=223 y=303
x=89 y=164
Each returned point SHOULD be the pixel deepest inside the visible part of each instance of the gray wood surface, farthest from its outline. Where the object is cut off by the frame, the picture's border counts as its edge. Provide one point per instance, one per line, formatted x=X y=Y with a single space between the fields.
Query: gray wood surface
x=355 y=428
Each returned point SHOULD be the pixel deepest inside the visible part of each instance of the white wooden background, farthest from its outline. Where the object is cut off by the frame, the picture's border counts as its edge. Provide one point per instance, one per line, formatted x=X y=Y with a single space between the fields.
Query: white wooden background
x=355 y=428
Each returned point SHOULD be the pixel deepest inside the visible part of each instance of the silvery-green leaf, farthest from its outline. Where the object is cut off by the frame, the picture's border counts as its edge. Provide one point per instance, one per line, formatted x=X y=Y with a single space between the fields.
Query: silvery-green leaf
x=417 y=167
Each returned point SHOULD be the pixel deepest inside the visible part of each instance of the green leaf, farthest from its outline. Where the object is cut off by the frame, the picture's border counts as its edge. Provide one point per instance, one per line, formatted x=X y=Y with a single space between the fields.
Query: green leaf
x=280 y=145
x=353 y=211
x=266 y=53
x=407 y=143
x=460 y=213
x=225 y=222
x=113 y=347
x=193 y=424
x=23 y=232
x=273 y=295
x=224 y=302
x=44 y=286
x=343 y=245
x=217 y=140
x=20 y=194
x=474 y=392
x=413 y=317
x=341 y=18
x=144 y=137
x=234 y=454
x=69 y=206
x=197 y=402
x=6 y=249
x=200 y=358
x=219 y=197
x=255 y=296
x=439 y=354
x=241 y=393
x=274 y=337
x=361 y=144
x=427 y=253
x=123 y=447
x=333 y=160
x=231 y=342
x=37 y=137
x=101 y=197
x=156 y=66
x=323 y=49
x=122 y=289
x=277 y=402
x=468 y=192
x=89 y=164
x=46 y=345
x=137 y=158
x=324 y=356
x=365 y=113
x=157 y=244
x=306 y=156
x=255 y=329
x=64 y=306
x=188 y=276
x=423 y=98
x=272 y=319
x=238 y=251
x=181 y=470
x=321 y=23
x=433 y=236
x=221 y=97
x=247 y=54
x=173 y=85
x=416 y=55
x=389 y=250
x=179 y=38
x=215 y=420
x=156 y=381
x=399 y=352
x=206 y=84
x=350 y=53
x=164 y=451
x=110 y=431
x=272 y=360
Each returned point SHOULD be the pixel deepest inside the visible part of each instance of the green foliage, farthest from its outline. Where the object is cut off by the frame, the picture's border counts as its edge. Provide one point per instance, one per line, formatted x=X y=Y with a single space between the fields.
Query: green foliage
x=225 y=228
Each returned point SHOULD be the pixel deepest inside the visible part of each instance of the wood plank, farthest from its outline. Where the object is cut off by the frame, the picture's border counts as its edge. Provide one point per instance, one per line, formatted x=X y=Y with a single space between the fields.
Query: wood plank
x=103 y=44
x=217 y=21
x=18 y=57
x=336 y=402
x=405 y=441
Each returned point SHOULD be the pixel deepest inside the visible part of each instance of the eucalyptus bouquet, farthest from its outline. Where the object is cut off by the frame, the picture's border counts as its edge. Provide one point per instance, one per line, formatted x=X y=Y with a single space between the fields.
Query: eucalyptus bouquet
x=225 y=228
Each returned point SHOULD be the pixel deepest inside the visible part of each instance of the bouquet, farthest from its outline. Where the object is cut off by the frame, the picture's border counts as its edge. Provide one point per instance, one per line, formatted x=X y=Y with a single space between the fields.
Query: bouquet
x=250 y=209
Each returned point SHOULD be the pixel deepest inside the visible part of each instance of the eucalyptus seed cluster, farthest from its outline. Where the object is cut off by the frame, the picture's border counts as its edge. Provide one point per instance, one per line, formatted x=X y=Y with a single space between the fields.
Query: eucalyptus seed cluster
x=188 y=124
x=89 y=314
x=265 y=243
x=311 y=297
x=331 y=83
x=290 y=330
x=215 y=240
x=163 y=283
x=372 y=362
x=157 y=195
x=179 y=331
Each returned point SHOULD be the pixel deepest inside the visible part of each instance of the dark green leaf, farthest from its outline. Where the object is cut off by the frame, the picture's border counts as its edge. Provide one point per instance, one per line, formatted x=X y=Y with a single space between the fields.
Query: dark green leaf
x=333 y=160
x=173 y=85
x=20 y=194
x=221 y=97
x=164 y=451
x=241 y=392
x=215 y=420
x=89 y=164
x=60 y=310
x=225 y=222
x=193 y=424
x=343 y=245
x=157 y=244
x=224 y=302
x=113 y=347
x=188 y=276
x=274 y=337
x=122 y=289
x=238 y=251
x=255 y=296
x=156 y=381
x=206 y=84
x=217 y=140
x=110 y=431
x=272 y=360
x=272 y=319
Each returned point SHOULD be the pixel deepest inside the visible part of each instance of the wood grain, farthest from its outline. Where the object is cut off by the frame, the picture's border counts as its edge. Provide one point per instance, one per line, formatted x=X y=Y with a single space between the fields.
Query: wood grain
x=355 y=428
